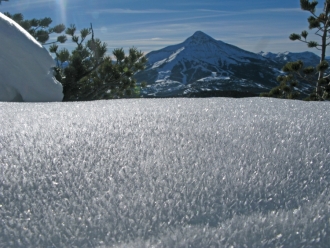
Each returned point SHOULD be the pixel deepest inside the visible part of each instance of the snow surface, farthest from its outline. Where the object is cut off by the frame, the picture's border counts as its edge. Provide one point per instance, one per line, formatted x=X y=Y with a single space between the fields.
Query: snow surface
x=214 y=172
x=25 y=67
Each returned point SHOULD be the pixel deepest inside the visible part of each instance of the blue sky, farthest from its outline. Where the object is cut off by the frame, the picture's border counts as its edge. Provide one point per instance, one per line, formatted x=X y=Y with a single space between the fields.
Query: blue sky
x=253 y=25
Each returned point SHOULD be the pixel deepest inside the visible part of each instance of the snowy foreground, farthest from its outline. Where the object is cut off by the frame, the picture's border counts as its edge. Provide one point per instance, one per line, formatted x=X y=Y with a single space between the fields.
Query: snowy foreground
x=165 y=173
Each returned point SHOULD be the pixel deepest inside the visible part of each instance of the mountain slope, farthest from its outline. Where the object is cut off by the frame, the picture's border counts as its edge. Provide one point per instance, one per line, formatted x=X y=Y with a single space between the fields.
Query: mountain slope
x=203 y=64
x=197 y=57
x=309 y=58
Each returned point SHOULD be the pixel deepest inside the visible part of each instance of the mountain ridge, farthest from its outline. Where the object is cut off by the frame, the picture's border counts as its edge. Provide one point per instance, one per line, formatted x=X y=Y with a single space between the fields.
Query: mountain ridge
x=309 y=58
x=203 y=64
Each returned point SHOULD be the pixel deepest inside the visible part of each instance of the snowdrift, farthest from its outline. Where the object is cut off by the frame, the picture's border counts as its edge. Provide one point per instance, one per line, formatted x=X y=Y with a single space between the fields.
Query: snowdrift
x=25 y=67
x=165 y=173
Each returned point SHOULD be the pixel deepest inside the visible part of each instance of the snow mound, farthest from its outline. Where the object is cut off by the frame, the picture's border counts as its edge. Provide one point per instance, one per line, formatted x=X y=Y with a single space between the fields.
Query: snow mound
x=25 y=67
x=215 y=172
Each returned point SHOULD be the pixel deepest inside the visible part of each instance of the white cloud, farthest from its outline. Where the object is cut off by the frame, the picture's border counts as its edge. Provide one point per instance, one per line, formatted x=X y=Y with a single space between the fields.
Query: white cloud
x=250 y=11
x=135 y=11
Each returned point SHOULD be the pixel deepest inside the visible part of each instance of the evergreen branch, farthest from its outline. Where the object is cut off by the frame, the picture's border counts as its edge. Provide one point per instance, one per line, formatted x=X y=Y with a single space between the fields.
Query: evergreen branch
x=319 y=29
x=100 y=89
x=307 y=42
x=91 y=70
x=306 y=78
x=92 y=32
x=49 y=43
x=36 y=28
x=314 y=14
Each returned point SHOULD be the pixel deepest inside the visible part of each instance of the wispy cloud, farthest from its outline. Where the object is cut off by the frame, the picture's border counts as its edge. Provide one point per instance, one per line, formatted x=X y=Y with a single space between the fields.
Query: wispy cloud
x=218 y=12
x=274 y=10
x=136 y=11
x=28 y=3
x=246 y=34
x=254 y=26
x=252 y=11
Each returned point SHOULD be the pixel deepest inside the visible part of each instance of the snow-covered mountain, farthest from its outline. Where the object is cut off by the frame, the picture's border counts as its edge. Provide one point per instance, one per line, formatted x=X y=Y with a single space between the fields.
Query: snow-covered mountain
x=198 y=56
x=309 y=58
x=202 y=65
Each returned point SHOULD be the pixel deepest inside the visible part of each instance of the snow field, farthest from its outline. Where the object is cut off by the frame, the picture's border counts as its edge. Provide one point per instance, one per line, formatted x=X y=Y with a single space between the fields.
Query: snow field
x=214 y=172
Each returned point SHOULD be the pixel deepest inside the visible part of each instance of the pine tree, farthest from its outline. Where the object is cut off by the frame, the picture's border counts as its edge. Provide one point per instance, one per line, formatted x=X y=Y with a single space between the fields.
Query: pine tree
x=286 y=88
x=295 y=70
x=91 y=74
x=39 y=28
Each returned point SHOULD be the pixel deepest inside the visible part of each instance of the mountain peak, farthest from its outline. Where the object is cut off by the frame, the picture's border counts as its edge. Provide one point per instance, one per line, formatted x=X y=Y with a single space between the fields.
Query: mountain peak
x=200 y=37
x=199 y=34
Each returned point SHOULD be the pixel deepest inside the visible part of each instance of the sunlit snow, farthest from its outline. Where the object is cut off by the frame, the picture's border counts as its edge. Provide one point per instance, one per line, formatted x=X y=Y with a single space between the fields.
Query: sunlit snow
x=214 y=172
x=214 y=77
x=26 y=68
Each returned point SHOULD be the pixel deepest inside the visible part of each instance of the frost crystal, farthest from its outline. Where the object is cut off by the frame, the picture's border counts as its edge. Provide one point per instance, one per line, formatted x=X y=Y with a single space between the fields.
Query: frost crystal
x=248 y=172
